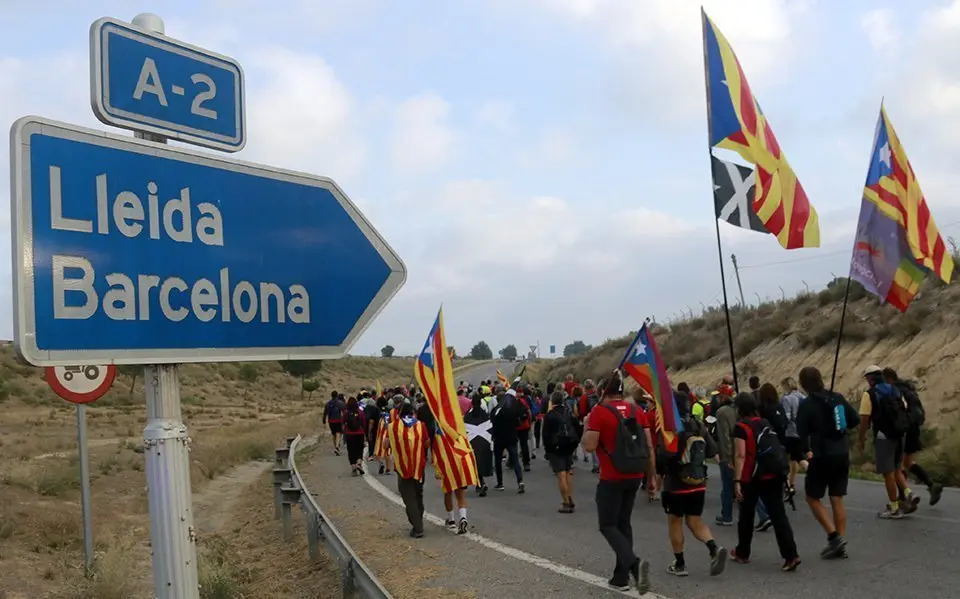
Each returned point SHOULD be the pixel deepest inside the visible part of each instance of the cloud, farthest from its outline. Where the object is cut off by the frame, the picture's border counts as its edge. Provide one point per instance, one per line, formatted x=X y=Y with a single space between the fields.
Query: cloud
x=554 y=148
x=498 y=116
x=423 y=140
x=880 y=28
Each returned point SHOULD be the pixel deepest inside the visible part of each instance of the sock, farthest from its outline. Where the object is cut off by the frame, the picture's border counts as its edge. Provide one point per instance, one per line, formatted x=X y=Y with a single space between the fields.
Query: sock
x=452 y=516
x=678 y=560
x=907 y=492
x=894 y=506
x=921 y=474
x=463 y=512
x=833 y=535
x=711 y=547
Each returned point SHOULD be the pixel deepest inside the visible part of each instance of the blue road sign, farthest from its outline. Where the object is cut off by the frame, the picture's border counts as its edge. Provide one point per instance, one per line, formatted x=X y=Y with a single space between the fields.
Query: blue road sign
x=130 y=252
x=148 y=82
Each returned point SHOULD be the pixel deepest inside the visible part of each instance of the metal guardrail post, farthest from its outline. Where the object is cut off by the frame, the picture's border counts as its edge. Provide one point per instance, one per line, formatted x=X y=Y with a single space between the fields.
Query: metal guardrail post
x=290 y=441
x=291 y=496
x=281 y=477
x=313 y=532
x=347 y=586
x=282 y=457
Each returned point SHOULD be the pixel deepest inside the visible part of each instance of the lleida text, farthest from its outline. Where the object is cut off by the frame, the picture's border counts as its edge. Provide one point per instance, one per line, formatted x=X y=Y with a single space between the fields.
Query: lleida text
x=129 y=296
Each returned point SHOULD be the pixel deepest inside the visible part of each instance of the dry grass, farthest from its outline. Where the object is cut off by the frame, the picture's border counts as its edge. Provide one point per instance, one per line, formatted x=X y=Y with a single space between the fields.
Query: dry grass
x=778 y=338
x=232 y=418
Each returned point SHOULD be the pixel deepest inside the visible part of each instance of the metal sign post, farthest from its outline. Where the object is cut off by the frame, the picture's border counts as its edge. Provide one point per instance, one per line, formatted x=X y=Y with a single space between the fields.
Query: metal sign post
x=129 y=251
x=82 y=384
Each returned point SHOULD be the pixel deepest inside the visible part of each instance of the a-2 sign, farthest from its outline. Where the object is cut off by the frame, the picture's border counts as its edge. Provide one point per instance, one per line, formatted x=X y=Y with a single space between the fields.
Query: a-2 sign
x=81 y=383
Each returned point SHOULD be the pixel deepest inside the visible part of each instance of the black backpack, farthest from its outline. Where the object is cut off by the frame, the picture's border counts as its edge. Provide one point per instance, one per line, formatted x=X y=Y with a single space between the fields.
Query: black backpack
x=692 y=459
x=566 y=437
x=835 y=411
x=771 y=458
x=890 y=414
x=353 y=421
x=631 y=453
x=916 y=415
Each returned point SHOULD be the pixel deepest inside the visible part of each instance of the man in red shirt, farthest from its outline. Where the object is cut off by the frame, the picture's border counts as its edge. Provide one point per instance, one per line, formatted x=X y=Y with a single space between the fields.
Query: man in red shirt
x=617 y=490
x=569 y=384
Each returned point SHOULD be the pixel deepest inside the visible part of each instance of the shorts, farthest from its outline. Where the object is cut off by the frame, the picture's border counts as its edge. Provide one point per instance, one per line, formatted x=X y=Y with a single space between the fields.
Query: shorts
x=794 y=448
x=336 y=428
x=560 y=463
x=911 y=441
x=889 y=454
x=827 y=475
x=683 y=504
x=660 y=462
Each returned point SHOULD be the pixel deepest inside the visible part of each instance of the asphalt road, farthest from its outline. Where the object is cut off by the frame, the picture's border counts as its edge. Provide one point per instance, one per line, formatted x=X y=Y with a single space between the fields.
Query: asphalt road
x=914 y=557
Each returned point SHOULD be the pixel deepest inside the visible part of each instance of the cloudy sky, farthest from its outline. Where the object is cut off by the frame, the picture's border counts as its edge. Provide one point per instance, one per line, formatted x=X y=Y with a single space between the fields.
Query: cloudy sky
x=540 y=165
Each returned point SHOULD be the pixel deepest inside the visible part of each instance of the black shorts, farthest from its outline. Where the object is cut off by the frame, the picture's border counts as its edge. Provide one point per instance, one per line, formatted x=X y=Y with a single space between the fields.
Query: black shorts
x=794 y=447
x=829 y=474
x=911 y=441
x=683 y=504
x=560 y=463
x=660 y=463
x=336 y=428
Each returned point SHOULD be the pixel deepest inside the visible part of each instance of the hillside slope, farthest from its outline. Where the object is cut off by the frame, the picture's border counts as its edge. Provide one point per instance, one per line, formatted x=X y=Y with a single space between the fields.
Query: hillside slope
x=777 y=339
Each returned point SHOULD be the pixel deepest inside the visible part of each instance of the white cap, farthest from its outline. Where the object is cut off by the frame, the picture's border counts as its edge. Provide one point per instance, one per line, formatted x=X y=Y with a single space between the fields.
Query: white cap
x=512 y=392
x=872 y=369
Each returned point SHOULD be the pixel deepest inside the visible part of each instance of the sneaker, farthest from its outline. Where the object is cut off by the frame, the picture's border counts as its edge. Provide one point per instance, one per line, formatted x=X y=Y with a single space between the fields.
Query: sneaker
x=565 y=509
x=382 y=468
x=889 y=514
x=483 y=491
x=737 y=558
x=521 y=489
x=336 y=451
x=450 y=525
x=834 y=548
x=462 y=526
x=641 y=575
x=354 y=472
x=764 y=525
x=619 y=585
x=791 y=565
x=526 y=468
x=911 y=504
x=677 y=570
x=416 y=534
x=498 y=487
x=721 y=522
x=361 y=471
x=718 y=562
x=935 y=492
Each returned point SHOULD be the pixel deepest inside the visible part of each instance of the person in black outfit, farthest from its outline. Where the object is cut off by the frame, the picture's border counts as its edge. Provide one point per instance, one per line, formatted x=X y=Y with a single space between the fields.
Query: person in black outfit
x=506 y=417
x=823 y=422
x=559 y=449
x=372 y=414
x=767 y=487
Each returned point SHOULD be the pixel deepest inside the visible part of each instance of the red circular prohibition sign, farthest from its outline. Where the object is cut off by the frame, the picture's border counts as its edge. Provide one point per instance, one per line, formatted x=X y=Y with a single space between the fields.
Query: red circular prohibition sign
x=50 y=373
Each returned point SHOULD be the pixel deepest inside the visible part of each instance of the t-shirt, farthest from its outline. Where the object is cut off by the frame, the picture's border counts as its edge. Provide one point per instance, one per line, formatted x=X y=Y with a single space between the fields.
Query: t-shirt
x=465 y=404
x=751 y=451
x=568 y=386
x=604 y=422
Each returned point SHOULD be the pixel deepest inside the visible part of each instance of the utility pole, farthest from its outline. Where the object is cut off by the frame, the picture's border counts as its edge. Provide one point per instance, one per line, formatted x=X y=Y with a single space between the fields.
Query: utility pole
x=736 y=269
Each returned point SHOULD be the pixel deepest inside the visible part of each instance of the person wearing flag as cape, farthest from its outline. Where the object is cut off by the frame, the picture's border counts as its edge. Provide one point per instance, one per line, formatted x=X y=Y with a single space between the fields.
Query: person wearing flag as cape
x=407 y=438
x=478 y=426
x=453 y=455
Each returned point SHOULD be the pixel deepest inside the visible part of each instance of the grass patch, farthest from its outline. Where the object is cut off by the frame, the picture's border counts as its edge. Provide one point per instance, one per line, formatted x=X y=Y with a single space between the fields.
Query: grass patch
x=221 y=576
x=51 y=477
x=115 y=574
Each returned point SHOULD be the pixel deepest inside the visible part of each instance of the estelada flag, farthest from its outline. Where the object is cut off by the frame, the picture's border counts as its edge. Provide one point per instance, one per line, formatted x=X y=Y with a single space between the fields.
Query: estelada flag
x=642 y=362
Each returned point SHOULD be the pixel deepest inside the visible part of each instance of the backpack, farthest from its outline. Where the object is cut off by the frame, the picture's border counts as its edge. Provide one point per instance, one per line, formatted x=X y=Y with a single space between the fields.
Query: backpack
x=890 y=415
x=631 y=454
x=566 y=437
x=353 y=421
x=336 y=410
x=592 y=401
x=916 y=415
x=771 y=457
x=693 y=460
x=836 y=413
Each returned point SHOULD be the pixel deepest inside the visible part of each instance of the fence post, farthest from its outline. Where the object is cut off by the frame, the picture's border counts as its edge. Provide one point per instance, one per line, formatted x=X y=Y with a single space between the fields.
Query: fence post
x=282 y=456
x=291 y=495
x=347 y=586
x=313 y=533
x=290 y=441
x=281 y=477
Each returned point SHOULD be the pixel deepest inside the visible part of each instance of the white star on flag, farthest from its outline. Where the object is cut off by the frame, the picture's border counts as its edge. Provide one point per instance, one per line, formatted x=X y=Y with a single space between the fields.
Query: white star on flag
x=639 y=350
x=885 y=154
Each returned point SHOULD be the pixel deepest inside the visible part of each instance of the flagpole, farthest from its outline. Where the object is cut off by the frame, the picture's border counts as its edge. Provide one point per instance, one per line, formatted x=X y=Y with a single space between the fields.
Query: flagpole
x=716 y=221
x=843 y=317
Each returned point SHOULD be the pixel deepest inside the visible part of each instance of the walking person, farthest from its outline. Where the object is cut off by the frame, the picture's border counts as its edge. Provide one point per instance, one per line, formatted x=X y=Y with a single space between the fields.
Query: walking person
x=726 y=416
x=354 y=433
x=505 y=418
x=684 y=492
x=478 y=426
x=619 y=432
x=790 y=403
x=560 y=442
x=333 y=416
x=760 y=471
x=823 y=425
x=772 y=411
x=883 y=410
x=408 y=438
x=912 y=445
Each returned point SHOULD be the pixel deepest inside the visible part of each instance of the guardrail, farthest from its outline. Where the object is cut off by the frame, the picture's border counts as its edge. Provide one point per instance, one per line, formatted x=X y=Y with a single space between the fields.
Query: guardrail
x=356 y=580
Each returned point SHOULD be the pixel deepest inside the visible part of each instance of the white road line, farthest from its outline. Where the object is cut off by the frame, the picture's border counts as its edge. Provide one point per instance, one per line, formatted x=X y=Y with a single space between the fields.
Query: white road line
x=536 y=560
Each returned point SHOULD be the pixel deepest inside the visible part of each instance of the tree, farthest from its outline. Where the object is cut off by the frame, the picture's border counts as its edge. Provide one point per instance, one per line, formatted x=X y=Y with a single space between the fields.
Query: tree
x=249 y=373
x=509 y=352
x=577 y=348
x=132 y=371
x=310 y=385
x=387 y=351
x=301 y=369
x=481 y=351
